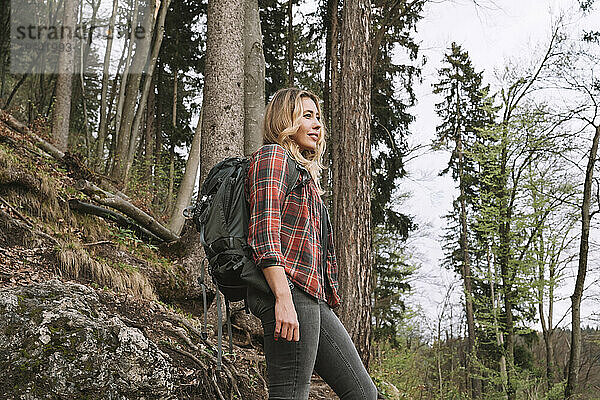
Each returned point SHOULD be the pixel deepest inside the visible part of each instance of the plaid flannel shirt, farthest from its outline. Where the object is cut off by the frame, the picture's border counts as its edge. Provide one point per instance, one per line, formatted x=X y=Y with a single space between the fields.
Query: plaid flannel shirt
x=285 y=231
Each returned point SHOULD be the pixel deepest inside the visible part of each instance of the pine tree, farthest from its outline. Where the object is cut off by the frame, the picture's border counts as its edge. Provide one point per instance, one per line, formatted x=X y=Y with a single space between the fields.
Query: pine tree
x=463 y=113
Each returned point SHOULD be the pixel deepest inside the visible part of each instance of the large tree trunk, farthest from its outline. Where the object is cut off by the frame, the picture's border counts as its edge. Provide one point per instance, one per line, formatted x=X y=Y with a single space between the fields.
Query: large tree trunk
x=223 y=103
x=62 y=105
x=290 y=43
x=254 y=79
x=330 y=88
x=352 y=176
x=575 y=354
x=223 y=118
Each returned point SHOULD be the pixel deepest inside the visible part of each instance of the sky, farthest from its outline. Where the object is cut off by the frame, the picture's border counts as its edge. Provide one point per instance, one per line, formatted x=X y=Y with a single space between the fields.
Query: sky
x=493 y=33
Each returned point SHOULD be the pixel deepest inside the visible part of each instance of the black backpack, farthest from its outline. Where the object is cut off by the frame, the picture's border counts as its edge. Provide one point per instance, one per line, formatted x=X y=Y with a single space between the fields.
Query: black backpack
x=221 y=216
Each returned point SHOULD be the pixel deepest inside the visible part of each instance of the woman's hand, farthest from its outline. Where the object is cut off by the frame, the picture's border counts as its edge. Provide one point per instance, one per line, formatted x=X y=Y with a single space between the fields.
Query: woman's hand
x=286 y=320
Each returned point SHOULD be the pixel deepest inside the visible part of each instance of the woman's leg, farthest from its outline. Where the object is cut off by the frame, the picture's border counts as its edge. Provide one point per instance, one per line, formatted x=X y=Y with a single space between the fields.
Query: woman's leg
x=338 y=362
x=289 y=364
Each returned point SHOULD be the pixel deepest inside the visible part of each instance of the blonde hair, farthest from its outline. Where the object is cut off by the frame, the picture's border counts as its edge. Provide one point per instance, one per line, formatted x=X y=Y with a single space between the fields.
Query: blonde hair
x=283 y=119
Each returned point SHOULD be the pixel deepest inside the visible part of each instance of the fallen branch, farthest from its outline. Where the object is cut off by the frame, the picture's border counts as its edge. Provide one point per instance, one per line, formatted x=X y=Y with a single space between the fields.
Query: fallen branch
x=24 y=129
x=101 y=242
x=118 y=203
x=91 y=209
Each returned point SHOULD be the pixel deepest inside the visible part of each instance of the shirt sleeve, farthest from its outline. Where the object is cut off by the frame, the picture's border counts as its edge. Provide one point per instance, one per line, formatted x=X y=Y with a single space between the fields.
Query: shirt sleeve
x=266 y=194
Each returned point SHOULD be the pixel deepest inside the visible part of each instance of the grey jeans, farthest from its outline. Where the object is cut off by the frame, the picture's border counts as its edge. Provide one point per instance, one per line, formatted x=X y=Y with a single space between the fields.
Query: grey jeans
x=324 y=347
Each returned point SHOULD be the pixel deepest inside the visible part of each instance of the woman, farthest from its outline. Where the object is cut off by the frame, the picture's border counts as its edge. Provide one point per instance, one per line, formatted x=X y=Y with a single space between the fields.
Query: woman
x=301 y=332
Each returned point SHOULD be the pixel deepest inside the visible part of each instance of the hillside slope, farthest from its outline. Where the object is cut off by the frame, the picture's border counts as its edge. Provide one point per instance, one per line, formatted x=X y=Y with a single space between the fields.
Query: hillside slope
x=90 y=310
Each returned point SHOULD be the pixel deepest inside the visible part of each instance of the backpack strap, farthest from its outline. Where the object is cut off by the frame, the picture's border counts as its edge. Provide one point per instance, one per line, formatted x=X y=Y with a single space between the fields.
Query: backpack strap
x=204 y=333
x=292 y=175
x=228 y=310
x=219 y=330
x=324 y=243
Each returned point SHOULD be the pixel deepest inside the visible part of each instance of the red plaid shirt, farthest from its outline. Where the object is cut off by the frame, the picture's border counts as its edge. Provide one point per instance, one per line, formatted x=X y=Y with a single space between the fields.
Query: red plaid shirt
x=286 y=231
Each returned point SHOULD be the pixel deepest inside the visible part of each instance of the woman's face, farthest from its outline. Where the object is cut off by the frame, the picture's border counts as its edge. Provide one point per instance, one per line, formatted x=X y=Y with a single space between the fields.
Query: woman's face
x=310 y=128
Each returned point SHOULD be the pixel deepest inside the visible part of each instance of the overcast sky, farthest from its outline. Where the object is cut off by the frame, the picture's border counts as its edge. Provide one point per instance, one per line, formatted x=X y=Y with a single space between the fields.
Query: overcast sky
x=492 y=34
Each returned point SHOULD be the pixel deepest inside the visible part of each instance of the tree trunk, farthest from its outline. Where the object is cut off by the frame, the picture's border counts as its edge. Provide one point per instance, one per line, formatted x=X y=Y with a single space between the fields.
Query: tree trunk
x=102 y=130
x=473 y=384
x=223 y=103
x=352 y=179
x=223 y=109
x=186 y=189
x=290 y=44
x=575 y=354
x=130 y=99
x=62 y=105
x=169 y=202
x=254 y=79
x=149 y=132
x=546 y=325
x=122 y=86
x=330 y=87
x=499 y=336
x=159 y=29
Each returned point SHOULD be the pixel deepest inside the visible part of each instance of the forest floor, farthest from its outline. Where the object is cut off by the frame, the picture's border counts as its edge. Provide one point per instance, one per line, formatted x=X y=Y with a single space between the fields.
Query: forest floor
x=41 y=239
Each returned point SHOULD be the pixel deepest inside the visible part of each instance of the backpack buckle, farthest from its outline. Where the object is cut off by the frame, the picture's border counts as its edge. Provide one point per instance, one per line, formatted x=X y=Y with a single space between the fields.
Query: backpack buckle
x=188 y=212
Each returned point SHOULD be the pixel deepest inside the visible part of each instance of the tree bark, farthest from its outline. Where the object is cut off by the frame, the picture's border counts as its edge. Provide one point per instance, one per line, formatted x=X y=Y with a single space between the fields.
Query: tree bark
x=290 y=44
x=223 y=103
x=254 y=79
x=169 y=201
x=575 y=353
x=352 y=179
x=105 y=213
x=330 y=89
x=149 y=132
x=122 y=87
x=62 y=105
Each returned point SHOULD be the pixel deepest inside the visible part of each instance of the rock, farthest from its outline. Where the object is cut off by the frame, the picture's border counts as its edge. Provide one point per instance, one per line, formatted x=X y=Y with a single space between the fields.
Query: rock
x=57 y=340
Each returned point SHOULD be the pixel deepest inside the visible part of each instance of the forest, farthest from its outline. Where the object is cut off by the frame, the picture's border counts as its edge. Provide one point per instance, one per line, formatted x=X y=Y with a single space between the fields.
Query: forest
x=112 y=112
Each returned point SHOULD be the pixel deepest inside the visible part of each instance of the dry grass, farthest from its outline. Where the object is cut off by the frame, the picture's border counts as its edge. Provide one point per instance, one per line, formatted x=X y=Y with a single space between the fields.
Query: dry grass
x=34 y=193
x=75 y=262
